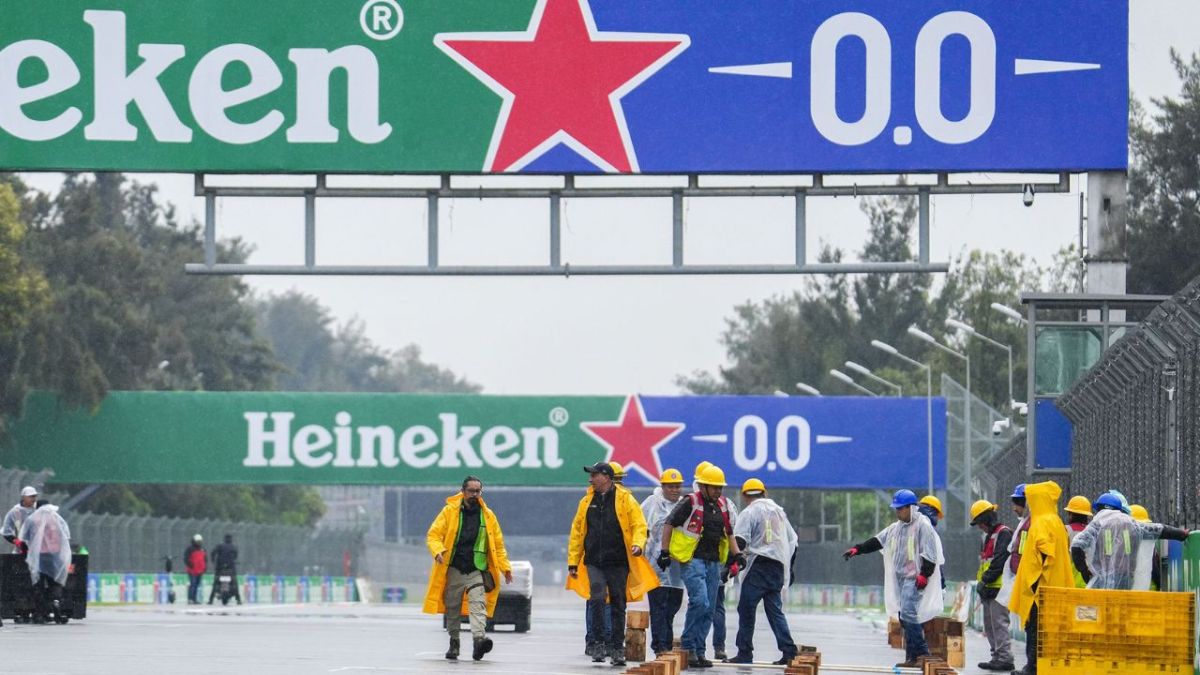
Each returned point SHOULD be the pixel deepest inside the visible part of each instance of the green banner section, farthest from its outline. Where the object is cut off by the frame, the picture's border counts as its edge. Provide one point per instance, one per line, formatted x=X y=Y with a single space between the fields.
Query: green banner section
x=380 y=439
x=235 y=86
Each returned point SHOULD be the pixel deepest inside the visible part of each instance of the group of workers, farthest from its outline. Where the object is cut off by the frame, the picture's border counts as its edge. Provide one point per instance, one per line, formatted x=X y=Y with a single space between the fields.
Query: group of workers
x=36 y=530
x=620 y=551
x=1099 y=546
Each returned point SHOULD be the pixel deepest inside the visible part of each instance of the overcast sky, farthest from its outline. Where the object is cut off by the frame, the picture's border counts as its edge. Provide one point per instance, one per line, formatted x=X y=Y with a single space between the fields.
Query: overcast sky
x=611 y=335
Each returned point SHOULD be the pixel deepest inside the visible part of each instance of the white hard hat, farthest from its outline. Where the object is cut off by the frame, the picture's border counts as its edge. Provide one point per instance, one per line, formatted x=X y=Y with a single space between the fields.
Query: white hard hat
x=29 y=491
x=197 y=537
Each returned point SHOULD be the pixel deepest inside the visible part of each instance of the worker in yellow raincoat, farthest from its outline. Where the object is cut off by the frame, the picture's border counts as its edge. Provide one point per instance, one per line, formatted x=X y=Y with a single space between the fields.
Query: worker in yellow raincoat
x=604 y=556
x=468 y=558
x=1046 y=562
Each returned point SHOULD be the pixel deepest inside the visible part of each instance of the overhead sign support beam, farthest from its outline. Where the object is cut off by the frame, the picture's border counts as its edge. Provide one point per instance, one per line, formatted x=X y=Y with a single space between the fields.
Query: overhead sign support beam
x=555 y=266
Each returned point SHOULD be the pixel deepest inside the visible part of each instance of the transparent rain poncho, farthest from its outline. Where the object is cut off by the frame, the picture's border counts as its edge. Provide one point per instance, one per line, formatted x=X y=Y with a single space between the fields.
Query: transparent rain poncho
x=1144 y=567
x=904 y=545
x=656 y=509
x=1008 y=575
x=49 y=542
x=1112 y=542
x=765 y=527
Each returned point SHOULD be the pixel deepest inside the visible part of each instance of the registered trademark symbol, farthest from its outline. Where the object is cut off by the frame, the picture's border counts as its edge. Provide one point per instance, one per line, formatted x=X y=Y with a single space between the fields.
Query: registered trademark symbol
x=559 y=416
x=381 y=19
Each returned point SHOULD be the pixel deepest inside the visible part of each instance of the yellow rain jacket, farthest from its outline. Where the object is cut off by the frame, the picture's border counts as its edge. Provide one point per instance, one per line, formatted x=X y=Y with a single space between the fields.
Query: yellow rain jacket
x=1047 y=558
x=440 y=539
x=642 y=578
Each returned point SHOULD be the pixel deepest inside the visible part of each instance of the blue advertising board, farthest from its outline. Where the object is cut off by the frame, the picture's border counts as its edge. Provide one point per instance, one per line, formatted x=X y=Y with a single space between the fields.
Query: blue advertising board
x=877 y=86
x=830 y=442
x=1055 y=433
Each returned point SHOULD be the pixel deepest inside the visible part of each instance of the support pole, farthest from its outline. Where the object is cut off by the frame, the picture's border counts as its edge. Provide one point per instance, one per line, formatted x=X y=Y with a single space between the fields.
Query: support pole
x=677 y=229
x=801 y=228
x=555 y=230
x=310 y=229
x=431 y=225
x=210 y=229
x=923 y=219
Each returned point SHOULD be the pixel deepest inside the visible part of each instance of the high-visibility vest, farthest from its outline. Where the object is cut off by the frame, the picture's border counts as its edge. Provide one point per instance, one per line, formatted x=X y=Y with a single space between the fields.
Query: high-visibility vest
x=985 y=556
x=1014 y=560
x=684 y=540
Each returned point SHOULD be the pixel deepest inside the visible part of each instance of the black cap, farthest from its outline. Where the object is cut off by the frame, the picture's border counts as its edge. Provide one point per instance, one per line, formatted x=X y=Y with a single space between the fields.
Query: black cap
x=600 y=467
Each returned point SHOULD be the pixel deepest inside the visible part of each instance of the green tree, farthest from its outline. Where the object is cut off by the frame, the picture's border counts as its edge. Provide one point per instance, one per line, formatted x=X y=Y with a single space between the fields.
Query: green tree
x=1163 y=237
x=319 y=355
x=23 y=293
x=120 y=314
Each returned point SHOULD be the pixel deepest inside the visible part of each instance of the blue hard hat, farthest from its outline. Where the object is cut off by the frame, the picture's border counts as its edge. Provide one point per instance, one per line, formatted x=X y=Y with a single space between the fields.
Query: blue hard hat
x=1109 y=500
x=1019 y=492
x=903 y=498
x=1113 y=499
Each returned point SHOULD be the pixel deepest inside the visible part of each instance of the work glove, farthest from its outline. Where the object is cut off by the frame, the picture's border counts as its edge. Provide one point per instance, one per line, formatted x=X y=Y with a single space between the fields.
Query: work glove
x=22 y=546
x=922 y=582
x=664 y=560
x=573 y=570
x=850 y=553
x=738 y=560
x=729 y=572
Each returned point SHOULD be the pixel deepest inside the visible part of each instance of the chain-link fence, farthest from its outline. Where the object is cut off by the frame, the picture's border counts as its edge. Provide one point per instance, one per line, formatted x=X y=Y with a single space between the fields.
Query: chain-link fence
x=963 y=484
x=141 y=544
x=1137 y=414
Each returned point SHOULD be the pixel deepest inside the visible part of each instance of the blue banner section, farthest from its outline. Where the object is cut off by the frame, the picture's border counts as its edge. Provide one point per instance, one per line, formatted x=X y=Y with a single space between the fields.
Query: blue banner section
x=800 y=442
x=876 y=86
x=1054 y=434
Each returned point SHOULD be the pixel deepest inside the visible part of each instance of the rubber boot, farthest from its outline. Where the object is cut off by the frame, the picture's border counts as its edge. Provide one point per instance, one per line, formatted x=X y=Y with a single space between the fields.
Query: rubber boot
x=482 y=646
x=452 y=652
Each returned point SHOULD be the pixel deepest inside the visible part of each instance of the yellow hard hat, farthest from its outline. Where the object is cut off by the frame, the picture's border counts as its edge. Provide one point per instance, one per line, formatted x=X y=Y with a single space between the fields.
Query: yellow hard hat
x=701 y=467
x=1139 y=513
x=618 y=470
x=1079 y=504
x=753 y=485
x=711 y=475
x=930 y=500
x=981 y=507
x=671 y=476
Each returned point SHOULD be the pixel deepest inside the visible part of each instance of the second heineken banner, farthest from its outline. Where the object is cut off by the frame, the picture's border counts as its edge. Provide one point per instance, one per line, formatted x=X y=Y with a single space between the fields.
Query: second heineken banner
x=412 y=439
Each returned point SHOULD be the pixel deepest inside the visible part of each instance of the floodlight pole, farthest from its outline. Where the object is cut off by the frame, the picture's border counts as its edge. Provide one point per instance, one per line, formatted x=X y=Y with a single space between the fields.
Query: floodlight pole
x=867 y=372
x=885 y=347
x=850 y=381
x=971 y=332
x=967 y=459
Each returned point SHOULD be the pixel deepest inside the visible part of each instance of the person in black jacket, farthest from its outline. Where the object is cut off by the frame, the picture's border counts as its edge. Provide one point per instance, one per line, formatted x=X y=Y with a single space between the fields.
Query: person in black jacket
x=992 y=556
x=224 y=560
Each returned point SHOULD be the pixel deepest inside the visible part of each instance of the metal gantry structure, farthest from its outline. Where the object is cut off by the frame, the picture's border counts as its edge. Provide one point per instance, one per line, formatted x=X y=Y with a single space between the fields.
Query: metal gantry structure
x=436 y=189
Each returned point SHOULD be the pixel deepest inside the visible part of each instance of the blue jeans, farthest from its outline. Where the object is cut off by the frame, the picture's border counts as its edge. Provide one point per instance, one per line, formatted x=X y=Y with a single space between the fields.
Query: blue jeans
x=764 y=582
x=701 y=578
x=194 y=588
x=914 y=634
x=718 y=627
x=665 y=602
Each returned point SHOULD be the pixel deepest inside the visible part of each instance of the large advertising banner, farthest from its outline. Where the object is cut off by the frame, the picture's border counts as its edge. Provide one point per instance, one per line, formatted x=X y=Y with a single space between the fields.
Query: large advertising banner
x=415 y=439
x=564 y=86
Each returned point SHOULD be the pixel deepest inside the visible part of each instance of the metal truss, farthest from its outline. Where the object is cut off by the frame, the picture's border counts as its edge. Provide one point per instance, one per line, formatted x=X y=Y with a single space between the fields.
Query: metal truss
x=450 y=187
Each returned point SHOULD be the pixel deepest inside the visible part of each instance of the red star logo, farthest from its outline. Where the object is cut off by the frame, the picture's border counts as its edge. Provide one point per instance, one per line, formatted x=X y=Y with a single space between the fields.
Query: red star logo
x=562 y=81
x=632 y=442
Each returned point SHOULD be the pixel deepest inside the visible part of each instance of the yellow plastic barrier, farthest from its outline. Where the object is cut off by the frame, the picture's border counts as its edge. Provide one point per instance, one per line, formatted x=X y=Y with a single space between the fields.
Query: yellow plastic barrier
x=1094 y=632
